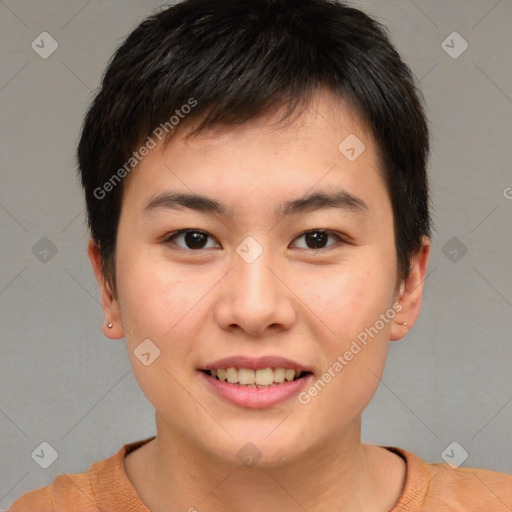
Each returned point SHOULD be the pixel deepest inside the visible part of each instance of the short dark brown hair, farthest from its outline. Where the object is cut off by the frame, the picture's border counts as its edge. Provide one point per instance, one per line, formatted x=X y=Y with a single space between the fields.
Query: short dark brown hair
x=238 y=59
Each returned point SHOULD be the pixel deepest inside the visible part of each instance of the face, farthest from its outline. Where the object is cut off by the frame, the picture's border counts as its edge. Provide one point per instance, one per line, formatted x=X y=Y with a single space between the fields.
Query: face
x=268 y=268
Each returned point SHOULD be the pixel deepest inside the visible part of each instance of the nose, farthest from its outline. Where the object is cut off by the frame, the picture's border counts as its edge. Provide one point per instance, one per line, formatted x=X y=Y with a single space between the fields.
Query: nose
x=255 y=297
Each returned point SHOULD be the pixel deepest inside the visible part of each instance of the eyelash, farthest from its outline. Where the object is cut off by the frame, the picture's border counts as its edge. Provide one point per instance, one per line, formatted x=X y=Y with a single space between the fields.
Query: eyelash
x=174 y=234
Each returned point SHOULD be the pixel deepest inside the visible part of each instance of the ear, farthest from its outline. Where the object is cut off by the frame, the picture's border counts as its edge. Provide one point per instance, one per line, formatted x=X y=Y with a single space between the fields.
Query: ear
x=109 y=303
x=411 y=292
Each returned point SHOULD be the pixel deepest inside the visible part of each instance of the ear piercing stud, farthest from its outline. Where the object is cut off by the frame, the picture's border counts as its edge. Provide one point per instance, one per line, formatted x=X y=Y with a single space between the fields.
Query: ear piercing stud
x=402 y=323
x=110 y=325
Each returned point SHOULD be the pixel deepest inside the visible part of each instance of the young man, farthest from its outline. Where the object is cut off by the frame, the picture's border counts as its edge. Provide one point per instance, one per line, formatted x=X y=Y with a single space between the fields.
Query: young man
x=255 y=178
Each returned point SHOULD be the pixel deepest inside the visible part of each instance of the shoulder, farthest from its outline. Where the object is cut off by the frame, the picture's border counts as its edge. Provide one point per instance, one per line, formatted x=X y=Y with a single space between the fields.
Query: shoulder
x=436 y=487
x=72 y=491
x=105 y=486
x=38 y=499
x=65 y=493
x=476 y=489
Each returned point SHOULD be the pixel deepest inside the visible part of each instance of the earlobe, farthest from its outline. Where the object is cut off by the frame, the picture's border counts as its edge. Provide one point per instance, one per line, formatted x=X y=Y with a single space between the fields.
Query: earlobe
x=112 y=330
x=411 y=292
x=112 y=327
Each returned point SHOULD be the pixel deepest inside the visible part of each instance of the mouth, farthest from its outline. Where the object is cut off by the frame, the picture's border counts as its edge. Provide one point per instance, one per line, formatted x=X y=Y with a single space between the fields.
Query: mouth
x=256 y=378
x=255 y=382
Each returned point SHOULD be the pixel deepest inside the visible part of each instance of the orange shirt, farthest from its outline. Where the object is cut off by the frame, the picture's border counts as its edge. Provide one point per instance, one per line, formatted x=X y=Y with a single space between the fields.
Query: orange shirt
x=429 y=488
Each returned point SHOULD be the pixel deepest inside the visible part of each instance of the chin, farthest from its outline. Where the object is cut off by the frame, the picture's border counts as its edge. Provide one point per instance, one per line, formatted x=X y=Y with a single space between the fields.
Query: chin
x=263 y=447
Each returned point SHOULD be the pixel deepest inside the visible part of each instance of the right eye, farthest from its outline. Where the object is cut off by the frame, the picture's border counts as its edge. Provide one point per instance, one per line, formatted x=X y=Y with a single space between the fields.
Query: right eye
x=195 y=239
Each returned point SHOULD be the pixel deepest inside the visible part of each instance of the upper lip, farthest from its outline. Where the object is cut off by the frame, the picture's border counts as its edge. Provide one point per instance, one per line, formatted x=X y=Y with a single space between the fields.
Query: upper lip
x=256 y=363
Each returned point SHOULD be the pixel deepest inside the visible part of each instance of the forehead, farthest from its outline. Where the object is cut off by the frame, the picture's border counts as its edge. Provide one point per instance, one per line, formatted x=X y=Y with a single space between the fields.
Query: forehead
x=313 y=122
x=269 y=156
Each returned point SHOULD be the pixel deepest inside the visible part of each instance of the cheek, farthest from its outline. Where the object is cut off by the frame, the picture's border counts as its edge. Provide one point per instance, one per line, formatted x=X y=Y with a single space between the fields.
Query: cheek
x=361 y=317
x=347 y=299
x=157 y=303
x=154 y=296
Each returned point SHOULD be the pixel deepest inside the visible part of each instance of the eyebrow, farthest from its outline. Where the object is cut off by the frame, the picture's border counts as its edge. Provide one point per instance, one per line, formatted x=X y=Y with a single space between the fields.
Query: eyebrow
x=340 y=199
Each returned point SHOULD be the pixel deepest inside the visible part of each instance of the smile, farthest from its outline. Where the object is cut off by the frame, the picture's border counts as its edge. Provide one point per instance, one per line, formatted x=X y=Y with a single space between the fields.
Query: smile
x=262 y=378
x=255 y=389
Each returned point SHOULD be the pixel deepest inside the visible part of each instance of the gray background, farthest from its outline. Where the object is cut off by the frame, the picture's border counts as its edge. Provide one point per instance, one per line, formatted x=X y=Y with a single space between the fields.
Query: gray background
x=62 y=382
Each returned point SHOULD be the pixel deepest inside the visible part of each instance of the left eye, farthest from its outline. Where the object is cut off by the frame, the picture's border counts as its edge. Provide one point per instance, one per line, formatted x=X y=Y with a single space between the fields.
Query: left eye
x=197 y=239
x=317 y=238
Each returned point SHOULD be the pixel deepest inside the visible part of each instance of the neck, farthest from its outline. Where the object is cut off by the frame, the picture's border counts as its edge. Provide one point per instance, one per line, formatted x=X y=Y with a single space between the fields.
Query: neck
x=341 y=475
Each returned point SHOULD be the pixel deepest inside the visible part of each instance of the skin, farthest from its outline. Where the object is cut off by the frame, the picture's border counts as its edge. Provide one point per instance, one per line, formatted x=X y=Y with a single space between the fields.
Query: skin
x=294 y=300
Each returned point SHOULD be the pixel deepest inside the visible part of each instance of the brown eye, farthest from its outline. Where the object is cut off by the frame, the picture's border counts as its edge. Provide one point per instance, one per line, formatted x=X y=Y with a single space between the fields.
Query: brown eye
x=317 y=239
x=193 y=239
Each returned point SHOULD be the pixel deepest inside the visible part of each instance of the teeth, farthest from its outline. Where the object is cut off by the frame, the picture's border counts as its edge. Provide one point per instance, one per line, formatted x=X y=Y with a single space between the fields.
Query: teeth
x=279 y=374
x=289 y=374
x=246 y=376
x=255 y=378
x=264 y=377
x=232 y=375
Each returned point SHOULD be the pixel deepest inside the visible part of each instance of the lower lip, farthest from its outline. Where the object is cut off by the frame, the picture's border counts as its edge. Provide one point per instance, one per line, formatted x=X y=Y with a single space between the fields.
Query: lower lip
x=256 y=398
